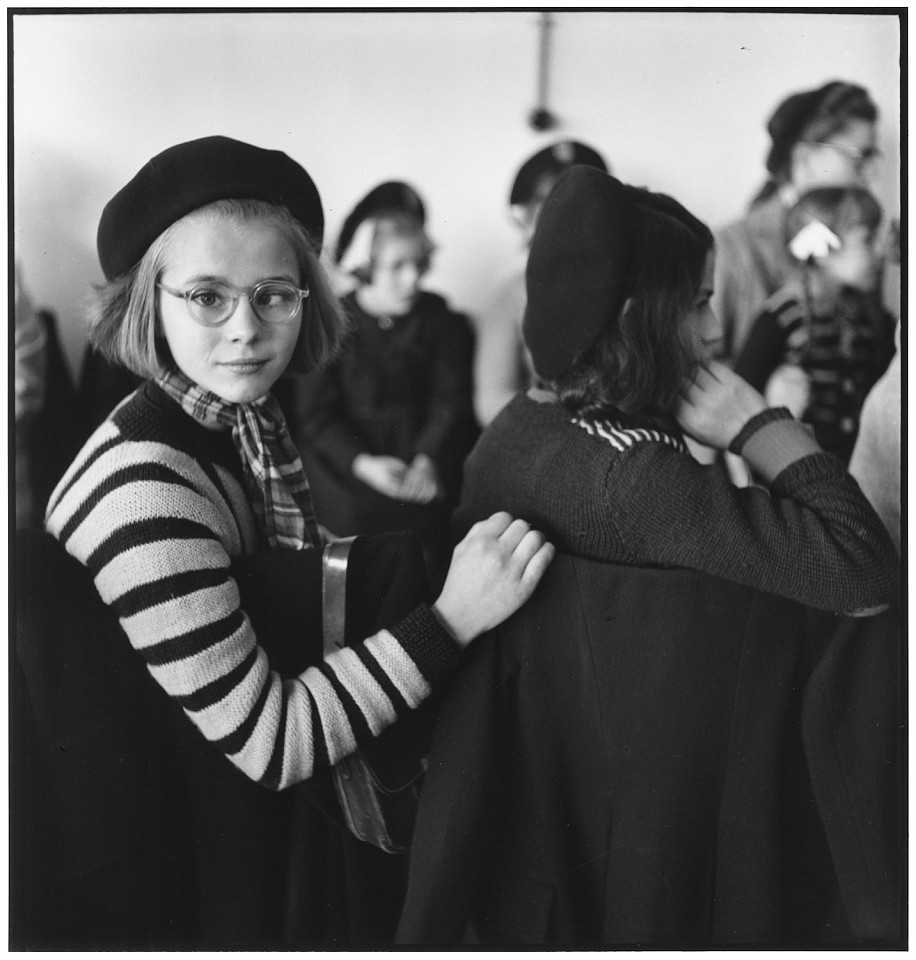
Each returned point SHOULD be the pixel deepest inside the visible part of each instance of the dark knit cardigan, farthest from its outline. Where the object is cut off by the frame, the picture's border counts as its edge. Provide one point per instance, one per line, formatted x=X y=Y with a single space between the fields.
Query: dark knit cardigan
x=154 y=505
x=626 y=494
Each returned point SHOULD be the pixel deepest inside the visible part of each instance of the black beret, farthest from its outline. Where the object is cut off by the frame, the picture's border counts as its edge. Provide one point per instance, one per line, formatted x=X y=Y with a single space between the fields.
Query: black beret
x=578 y=266
x=790 y=119
x=191 y=175
x=550 y=163
x=389 y=197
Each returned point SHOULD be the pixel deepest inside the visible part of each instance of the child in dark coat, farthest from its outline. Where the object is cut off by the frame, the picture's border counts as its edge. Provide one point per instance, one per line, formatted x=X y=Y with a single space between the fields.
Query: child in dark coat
x=823 y=340
x=384 y=430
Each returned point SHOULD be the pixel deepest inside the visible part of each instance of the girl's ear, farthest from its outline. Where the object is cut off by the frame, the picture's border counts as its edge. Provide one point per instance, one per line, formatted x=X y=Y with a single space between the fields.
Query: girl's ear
x=814 y=241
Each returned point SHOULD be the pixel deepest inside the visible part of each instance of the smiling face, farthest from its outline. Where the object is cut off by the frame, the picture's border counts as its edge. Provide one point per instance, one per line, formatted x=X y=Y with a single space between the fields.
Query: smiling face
x=243 y=358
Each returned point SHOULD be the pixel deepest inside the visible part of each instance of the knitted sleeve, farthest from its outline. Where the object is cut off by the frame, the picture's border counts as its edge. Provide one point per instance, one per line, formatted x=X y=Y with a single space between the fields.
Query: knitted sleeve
x=813 y=537
x=156 y=531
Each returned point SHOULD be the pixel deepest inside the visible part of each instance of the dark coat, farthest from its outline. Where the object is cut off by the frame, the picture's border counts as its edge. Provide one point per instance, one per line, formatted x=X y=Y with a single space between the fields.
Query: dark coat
x=623 y=762
x=400 y=388
x=130 y=831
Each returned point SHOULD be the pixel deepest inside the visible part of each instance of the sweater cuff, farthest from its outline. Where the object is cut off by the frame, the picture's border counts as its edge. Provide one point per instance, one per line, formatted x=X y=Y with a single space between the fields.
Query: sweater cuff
x=431 y=647
x=774 y=443
x=754 y=424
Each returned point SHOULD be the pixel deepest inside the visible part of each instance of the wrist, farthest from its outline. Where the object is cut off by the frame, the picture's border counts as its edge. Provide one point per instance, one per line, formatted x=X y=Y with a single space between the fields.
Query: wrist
x=755 y=422
x=773 y=441
x=429 y=643
x=452 y=623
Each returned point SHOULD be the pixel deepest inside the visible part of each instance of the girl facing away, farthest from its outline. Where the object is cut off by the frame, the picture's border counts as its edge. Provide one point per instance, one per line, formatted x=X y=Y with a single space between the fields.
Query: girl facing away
x=214 y=290
x=620 y=327
x=823 y=340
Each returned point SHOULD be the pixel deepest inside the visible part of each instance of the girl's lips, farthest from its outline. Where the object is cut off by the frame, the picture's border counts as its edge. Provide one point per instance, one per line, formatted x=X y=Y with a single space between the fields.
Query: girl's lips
x=244 y=366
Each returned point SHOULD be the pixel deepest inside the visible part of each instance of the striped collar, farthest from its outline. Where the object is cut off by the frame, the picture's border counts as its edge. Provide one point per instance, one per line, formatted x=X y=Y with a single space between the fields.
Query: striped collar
x=623 y=437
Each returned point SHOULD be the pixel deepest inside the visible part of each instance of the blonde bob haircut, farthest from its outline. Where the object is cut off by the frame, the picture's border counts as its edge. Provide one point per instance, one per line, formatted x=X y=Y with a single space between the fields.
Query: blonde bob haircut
x=124 y=324
x=359 y=259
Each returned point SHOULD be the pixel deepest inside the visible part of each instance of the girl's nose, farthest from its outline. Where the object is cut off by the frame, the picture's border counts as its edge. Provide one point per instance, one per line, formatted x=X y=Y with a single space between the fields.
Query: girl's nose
x=244 y=325
x=711 y=332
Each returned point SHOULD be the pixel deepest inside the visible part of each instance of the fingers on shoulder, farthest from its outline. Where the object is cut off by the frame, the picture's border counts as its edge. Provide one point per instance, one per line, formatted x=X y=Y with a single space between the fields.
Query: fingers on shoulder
x=513 y=537
x=494 y=525
x=537 y=564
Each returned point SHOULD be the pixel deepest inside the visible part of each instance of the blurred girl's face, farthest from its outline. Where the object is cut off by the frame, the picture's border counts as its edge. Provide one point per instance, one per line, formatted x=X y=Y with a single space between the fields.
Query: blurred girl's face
x=242 y=358
x=399 y=264
x=702 y=325
x=846 y=158
x=855 y=263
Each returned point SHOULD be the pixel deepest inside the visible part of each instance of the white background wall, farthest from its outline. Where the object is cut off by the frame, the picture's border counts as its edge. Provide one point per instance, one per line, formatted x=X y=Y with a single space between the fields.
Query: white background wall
x=676 y=101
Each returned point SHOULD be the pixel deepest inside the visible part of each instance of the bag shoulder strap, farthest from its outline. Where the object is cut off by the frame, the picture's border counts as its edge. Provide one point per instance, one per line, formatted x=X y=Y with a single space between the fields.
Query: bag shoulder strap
x=334 y=560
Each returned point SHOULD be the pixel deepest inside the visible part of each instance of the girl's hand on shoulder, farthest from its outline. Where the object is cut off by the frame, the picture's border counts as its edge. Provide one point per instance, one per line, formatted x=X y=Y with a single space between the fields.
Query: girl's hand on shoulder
x=494 y=570
x=716 y=404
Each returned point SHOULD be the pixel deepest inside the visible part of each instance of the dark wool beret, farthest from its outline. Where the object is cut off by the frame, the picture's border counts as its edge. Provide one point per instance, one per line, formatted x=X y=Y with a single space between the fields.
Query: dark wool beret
x=578 y=266
x=791 y=118
x=191 y=175
x=393 y=196
x=549 y=163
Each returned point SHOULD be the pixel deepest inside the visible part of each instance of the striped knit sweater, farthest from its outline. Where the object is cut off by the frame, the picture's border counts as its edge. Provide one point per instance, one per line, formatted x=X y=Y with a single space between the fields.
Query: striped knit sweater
x=843 y=351
x=154 y=505
x=624 y=493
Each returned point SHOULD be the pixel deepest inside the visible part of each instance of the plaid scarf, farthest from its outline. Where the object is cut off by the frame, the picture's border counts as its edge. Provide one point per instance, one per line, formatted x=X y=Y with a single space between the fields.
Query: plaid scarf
x=276 y=482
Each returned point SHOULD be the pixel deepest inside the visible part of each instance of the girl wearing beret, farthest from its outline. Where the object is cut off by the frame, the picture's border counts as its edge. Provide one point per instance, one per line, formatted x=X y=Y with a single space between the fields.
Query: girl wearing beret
x=821 y=137
x=642 y=779
x=384 y=429
x=214 y=290
x=502 y=367
x=620 y=329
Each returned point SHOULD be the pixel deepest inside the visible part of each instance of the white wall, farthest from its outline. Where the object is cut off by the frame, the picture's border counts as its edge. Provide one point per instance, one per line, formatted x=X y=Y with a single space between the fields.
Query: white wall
x=677 y=101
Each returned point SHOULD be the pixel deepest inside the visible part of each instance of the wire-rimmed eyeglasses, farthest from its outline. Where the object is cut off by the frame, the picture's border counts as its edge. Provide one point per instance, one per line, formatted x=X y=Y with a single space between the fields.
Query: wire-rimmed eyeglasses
x=859 y=157
x=213 y=303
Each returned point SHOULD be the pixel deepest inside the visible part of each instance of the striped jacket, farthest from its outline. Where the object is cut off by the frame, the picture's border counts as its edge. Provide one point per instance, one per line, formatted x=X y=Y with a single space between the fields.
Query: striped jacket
x=154 y=505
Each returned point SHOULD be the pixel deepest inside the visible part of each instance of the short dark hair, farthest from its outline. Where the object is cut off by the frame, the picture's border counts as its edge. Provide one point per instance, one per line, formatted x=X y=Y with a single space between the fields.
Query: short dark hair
x=640 y=360
x=124 y=317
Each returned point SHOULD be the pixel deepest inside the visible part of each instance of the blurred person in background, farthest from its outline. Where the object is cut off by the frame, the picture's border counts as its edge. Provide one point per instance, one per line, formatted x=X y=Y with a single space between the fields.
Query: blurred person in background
x=502 y=366
x=820 y=137
x=822 y=340
x=875 y=460
x=385 y=428
x=47 y=426
x=29 y=370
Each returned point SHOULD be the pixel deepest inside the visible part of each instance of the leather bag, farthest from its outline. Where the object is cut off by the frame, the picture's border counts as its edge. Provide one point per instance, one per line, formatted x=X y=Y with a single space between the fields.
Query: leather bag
x=378 y=791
